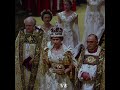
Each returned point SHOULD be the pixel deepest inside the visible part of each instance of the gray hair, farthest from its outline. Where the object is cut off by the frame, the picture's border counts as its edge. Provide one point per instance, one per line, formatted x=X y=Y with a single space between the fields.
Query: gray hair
x=30 y=19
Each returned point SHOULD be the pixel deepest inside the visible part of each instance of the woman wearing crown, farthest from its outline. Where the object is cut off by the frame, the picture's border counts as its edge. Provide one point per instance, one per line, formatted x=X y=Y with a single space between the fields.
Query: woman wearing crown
x=60 y=62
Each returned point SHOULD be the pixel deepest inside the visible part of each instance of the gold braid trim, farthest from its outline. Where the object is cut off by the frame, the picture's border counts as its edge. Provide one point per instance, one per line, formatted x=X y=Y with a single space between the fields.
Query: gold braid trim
x=45 y=66
x=100 y=70
x=35 y=61
x=81 y=58
x=67 y=62
x=80 y=61
x=21 y=41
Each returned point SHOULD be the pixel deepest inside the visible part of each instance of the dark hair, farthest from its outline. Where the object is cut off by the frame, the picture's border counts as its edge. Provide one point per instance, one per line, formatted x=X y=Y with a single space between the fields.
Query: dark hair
x=69 y=1
x=61 y=38
x=46 y=12
x=94 y=36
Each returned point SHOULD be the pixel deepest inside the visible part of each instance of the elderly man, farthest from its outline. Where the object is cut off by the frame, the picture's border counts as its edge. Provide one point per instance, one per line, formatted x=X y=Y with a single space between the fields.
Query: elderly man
x=92 y=65
x=28 y=47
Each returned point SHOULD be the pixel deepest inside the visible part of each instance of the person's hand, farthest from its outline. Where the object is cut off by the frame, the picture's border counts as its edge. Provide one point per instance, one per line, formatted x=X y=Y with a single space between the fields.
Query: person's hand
x=85 y=76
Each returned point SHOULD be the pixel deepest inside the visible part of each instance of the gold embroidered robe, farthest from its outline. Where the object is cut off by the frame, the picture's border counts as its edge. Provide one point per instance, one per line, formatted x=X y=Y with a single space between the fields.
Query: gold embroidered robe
x=99 y=76
x=28 y=45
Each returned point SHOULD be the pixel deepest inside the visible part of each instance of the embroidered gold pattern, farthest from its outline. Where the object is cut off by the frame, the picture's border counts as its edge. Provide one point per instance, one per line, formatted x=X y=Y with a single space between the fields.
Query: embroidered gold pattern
x=30 y=38
x=90 y=59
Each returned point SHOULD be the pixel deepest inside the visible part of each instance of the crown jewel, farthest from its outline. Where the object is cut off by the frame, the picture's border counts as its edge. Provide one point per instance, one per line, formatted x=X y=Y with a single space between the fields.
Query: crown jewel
x=57 y=32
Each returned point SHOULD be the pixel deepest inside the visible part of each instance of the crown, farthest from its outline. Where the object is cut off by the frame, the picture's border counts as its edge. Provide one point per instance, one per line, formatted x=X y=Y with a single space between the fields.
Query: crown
x=46 y=11
x=56 y=32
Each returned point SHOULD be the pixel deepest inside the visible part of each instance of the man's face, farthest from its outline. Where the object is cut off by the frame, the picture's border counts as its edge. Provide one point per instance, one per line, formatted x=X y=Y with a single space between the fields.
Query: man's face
x=29 y=27
x=91 y=43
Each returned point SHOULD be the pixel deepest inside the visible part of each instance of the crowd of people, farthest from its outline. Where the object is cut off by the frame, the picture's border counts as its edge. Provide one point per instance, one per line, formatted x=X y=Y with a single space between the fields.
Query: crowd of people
x=52 y=57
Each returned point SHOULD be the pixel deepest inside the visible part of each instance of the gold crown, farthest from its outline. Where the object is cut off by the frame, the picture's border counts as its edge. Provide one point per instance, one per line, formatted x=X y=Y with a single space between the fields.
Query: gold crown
x=56 y=32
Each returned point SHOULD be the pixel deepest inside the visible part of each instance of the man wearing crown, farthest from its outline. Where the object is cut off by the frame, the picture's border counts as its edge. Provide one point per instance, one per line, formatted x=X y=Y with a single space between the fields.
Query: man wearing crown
x=91 y=72
x=60 y=62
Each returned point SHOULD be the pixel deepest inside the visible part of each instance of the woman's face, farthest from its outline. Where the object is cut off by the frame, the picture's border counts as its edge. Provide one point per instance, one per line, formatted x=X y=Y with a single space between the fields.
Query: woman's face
x=67 y=6
x=46 y=18
x=56 y=41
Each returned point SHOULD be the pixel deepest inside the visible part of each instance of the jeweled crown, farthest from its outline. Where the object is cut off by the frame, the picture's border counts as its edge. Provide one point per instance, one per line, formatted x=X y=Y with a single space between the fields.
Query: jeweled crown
x=56 y=32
